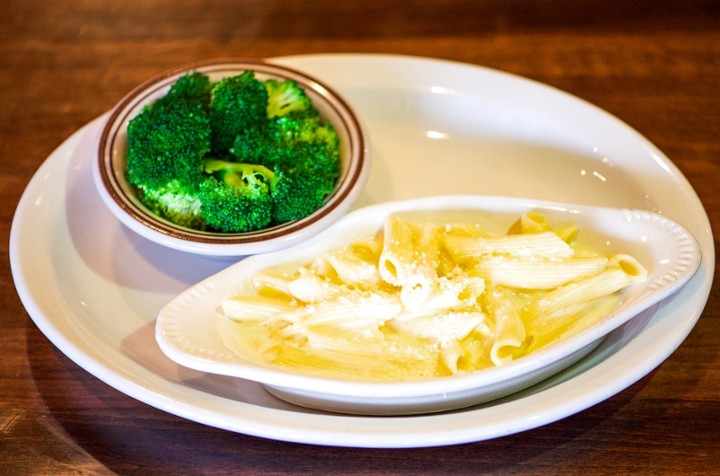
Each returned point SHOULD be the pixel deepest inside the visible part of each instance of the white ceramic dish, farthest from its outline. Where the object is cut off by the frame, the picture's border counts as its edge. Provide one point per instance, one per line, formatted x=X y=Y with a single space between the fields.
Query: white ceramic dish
x=187 y=328
x=95 y=295
x=121 y=198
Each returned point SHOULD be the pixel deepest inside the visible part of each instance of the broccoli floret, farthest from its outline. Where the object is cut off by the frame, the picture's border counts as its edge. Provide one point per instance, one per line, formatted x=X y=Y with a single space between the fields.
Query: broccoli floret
x=238 y=103
x=166 y=144
x=312 y=140
x=315 y=150
x=304 y=153
x=194 y=86
x=212 y=156
x=285 y=141
x=286 y=98
x=309 y=130
x=260 y=146
x=176 y=202
x=236 y=197
x=299 y=192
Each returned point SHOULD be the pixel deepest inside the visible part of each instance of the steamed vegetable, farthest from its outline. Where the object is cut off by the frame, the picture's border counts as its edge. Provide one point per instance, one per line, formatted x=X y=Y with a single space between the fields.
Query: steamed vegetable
x=237 y=155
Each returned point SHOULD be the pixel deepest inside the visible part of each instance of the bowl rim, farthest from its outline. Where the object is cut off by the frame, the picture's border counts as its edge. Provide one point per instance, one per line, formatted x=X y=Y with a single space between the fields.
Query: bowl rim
x=128 y=205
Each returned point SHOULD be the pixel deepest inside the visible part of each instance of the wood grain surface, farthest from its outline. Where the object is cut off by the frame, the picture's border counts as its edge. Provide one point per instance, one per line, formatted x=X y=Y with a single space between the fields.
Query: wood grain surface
x=654 y=64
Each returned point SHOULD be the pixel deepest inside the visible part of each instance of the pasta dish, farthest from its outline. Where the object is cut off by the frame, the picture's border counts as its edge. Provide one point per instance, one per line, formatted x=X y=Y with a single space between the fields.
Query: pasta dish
x=424 y=299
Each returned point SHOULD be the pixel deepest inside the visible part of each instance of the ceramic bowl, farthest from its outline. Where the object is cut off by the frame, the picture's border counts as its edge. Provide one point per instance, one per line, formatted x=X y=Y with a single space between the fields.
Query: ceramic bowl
x=121 y=198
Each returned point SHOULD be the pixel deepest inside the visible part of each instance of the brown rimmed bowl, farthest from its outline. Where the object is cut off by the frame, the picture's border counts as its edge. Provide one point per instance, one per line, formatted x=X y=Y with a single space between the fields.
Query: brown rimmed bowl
x=121 y=198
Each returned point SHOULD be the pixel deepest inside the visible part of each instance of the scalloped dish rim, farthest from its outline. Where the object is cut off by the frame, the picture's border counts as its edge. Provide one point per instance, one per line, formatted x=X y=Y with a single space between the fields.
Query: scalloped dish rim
x=185 y=326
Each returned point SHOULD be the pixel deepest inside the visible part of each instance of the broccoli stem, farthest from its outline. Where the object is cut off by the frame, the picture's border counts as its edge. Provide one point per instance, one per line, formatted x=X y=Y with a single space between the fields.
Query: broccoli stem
x=239 y=174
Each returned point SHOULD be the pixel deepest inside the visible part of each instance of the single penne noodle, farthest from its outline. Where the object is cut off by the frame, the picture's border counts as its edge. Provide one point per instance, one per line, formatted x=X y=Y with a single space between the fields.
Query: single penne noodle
x=322 y=267
x=254 y=308
x=456 y=292
x=464 y=229
x=326 y=354
x=397 y=257
x=591 y=314
x=350 y=311
x=547 y=327
x=350 y=269
x=271 y=282
x=534 y=222
x=444 y=328
x=308 y=287
x=531 y=273
x=367 y=250
x=588 y=289
x=530 y=222
x=509 y=330
x=416 y=291
x=539 y=245
x=450 y=293
x=450 y=355
x=631 y=266
x=421 y=278
x=568 y=232
x=357 y=357
x=472 y=289
x=426 y=245
x=557 y=326
x=332 y=349
x=322 y=339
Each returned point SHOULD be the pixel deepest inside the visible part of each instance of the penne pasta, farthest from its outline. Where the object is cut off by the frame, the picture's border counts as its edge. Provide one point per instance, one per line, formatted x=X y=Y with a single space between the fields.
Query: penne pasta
x=533 y=222
x=553 y=327
x=443 y=328
x=419 y=279
x=254 y=308
x=272 y=284
x=630 y=266
x=419 y=300
x=396 y=260
x=564 y=297
x=509 y=330
x=352 y=311
x=354 y=265
x=309 y=287
x=537 y=245
x=537 y=273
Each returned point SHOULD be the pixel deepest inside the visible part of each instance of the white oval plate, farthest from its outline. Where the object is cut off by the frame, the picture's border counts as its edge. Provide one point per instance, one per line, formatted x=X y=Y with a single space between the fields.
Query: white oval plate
x=94 y=288
x=187 y=328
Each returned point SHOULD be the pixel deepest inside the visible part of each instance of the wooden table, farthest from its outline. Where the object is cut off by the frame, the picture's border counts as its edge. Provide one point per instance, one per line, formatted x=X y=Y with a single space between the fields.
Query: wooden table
x=655 y=65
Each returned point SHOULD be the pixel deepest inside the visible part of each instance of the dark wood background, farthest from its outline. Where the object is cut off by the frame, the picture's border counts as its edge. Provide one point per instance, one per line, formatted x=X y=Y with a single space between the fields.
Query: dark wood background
x=654 y=64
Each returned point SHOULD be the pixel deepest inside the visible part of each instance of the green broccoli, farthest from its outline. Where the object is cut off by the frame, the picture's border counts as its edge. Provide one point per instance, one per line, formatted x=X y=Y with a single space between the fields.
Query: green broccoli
x=211 y=156
x=193 y=87
x=284 y=140
x=304 y=153
x=177 y=203
x=238 y=103
x=299 y=192
x=236 y=197
x=166 y=145
x=286 y=98
x=167 y=142
x=308 y=130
